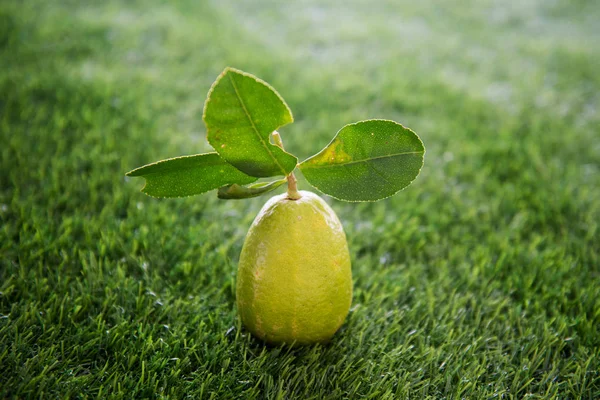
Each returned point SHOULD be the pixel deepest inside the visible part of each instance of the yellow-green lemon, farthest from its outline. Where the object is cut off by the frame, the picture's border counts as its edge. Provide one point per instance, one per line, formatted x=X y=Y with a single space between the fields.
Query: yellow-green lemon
x=294 y=280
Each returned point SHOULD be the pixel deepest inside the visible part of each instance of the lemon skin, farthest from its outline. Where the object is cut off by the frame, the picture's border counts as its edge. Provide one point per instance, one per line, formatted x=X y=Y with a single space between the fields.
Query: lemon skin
x=294 y=281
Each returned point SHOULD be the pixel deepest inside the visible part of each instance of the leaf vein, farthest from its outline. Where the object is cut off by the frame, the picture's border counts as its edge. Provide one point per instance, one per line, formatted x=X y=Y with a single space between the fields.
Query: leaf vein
x=361 y=161
x=260 y=138
x=381 y=175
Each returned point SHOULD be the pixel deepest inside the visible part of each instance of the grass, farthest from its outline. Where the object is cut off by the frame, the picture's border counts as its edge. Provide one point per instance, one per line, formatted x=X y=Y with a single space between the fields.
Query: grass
x=481 y=280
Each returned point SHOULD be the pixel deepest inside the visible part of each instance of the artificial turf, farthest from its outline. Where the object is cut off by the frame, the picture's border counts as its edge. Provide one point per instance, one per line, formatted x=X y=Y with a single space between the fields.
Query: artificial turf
x=481 y=280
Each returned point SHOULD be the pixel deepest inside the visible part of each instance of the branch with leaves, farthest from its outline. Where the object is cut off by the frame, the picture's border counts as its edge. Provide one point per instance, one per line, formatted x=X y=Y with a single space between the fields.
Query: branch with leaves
x=366 y=161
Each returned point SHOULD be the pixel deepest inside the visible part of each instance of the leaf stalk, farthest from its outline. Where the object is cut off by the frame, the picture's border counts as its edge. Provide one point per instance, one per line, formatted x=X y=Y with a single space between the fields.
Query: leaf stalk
x=292 y=189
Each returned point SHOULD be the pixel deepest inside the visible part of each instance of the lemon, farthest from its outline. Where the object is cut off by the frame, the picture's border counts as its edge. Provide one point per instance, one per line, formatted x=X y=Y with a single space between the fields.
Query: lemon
x=294 y=280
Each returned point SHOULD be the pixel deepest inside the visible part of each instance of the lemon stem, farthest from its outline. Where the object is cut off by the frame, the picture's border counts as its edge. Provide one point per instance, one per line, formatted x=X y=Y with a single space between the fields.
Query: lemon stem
x=293 y=193
x=292 y=190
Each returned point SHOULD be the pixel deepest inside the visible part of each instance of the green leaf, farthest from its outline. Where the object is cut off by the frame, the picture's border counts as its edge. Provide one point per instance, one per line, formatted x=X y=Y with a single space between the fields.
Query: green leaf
x=366 y=161
x=235 y=191
x=188 y=175
x=240 y=113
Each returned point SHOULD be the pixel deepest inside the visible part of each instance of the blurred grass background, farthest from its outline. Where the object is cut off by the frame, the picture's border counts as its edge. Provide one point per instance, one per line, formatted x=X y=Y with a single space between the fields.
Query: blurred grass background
x=481 y=280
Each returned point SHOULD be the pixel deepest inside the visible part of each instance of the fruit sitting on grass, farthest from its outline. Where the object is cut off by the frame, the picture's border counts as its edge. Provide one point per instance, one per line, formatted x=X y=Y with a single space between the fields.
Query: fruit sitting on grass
x=294 y=280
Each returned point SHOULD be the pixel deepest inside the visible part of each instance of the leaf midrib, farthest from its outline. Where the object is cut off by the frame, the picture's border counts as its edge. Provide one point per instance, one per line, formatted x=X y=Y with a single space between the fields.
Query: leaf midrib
x=260 y=138
x=178 y=169
x=308 y=166
x=168 y=169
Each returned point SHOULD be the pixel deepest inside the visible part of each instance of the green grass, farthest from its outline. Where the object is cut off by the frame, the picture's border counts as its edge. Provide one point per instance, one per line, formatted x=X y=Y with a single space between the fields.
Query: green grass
x=481 y=280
